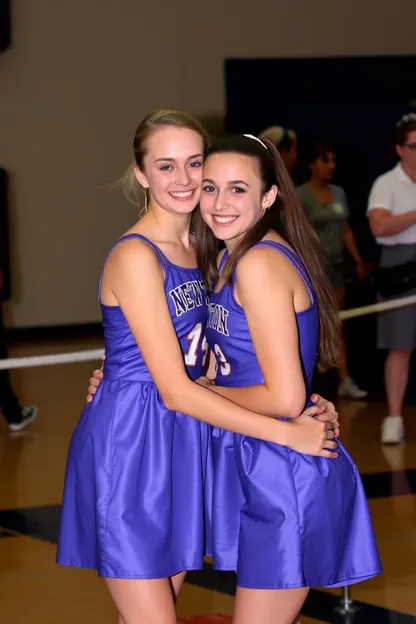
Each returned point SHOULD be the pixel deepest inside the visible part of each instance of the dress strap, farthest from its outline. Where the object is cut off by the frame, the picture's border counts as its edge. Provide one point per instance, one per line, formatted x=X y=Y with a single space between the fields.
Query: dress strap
x=160 y=255
x=222 y=261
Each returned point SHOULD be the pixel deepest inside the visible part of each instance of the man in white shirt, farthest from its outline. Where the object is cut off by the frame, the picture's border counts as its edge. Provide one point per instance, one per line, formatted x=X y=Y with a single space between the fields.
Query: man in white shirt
x=392 y=217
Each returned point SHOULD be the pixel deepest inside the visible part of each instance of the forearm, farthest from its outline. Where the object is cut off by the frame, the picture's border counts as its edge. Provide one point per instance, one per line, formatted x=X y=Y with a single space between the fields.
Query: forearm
x=203 y=404
x=389 y=225
x=258 y=398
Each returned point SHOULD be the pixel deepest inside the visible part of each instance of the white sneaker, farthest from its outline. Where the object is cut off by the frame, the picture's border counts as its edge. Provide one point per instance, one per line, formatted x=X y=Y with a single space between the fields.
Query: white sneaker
x=29 y=414
x=392 y=430
x=348 y=389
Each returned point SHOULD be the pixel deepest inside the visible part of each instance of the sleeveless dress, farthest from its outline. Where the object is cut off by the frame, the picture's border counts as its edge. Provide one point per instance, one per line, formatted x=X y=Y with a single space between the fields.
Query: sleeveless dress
x=136 y=477
x=281 y=519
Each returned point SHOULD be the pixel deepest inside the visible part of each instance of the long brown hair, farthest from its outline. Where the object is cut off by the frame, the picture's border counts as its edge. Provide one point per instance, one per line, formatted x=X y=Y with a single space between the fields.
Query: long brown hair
x=285 y=217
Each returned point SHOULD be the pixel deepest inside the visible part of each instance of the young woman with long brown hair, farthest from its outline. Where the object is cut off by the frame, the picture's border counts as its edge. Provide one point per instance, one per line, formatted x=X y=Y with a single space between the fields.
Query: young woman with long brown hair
x=285 y=521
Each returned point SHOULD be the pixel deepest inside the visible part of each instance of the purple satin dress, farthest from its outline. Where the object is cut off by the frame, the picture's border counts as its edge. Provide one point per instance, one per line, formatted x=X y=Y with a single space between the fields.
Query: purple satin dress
x=137 y=473
x=282 y=519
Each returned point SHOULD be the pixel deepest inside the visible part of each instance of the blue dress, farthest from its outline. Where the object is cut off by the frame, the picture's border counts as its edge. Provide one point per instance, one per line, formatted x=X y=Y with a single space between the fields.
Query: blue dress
x=136 y=477
x=282 y=519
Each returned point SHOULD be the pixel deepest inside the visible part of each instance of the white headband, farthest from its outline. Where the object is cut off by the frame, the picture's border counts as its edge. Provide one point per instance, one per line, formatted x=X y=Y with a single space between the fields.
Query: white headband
x=251 y=136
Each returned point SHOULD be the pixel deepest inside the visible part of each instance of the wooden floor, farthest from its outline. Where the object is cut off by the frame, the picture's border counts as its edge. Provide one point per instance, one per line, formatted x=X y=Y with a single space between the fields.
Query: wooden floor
x=33 y=590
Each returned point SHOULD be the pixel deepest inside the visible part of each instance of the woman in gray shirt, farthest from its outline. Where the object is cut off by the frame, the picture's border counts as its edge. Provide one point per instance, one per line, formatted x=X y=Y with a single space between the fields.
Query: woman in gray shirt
x=326 y=208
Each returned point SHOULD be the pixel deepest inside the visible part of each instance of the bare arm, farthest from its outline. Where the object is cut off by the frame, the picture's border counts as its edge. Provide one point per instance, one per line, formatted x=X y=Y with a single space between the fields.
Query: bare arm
x=324 y=410
x=135 y=278
x=264 y=287
x=383 y=223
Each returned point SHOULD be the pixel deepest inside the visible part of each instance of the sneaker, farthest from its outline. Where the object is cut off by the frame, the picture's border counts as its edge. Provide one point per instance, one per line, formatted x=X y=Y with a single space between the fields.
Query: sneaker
x=29 y=414
x=392 y=430
x=348 y=389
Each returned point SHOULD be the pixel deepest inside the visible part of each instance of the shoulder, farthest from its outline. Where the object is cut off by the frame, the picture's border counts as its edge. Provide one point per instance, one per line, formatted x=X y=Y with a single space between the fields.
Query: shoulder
x=264 y=278
x=133 y=252
x=262 y=264
x=387 y=179
x=307 y=198
x=339 y=195
x=338 y=191
x=392 y=175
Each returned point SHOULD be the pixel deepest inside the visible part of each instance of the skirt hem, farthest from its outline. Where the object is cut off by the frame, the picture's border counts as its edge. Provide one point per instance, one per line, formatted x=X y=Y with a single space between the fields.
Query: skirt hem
x=125 y=575
x=348 y=580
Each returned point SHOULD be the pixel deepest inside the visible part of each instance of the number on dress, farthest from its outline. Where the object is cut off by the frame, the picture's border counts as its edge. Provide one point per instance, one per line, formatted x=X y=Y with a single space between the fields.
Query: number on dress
x=194 y=337
x=225 y=367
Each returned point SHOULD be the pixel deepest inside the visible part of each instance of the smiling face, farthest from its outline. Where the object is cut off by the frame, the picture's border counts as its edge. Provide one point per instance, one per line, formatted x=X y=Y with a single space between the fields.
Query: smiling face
x=232 y=195
x=172 y=169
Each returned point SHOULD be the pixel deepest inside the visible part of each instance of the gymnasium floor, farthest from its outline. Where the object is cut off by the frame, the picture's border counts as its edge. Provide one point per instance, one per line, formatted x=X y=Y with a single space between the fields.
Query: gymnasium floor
x=33 y=590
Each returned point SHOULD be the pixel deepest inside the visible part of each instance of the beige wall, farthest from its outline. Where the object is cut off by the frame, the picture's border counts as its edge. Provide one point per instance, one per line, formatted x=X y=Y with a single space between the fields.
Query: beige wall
x=80 y=76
